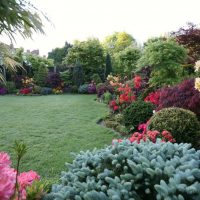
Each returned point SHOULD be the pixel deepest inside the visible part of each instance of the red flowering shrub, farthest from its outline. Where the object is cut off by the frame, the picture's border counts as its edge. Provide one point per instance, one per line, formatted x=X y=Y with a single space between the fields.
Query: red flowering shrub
x=137 y=82
x=153 y=97
x=25 y=91
x=125 y=97
x=183 y=95
x=165 y=136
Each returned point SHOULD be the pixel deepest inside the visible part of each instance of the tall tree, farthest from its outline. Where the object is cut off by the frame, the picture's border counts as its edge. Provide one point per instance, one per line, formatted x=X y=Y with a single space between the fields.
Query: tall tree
x=189 y=37
x=165 y=57
x=108 y=68
x=58 y=54
x=91 y=56
x=117 y=42
x=127 y=61
x=78 y=76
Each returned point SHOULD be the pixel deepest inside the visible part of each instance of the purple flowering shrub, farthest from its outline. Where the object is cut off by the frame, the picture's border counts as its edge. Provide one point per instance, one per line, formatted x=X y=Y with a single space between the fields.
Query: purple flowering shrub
x=92 y=88
x=53 y=80
x=3 y=90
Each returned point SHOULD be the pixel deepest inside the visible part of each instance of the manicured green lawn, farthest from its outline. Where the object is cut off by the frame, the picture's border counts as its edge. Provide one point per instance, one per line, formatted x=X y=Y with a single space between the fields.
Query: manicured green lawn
x=52 y=127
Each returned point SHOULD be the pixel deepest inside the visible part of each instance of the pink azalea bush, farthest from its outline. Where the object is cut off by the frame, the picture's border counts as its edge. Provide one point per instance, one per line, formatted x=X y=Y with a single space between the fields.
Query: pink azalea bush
x=8 y=179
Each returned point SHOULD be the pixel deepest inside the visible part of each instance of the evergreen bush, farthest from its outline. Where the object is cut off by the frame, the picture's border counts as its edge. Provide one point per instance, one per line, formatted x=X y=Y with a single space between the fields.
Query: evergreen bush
x=138 y=112
x=83 y=89
x=132 y=171
x=11 y=88
x=46 y=90
x=183 y=124
x=74 y=89
x=41 y=75
x=96 y=78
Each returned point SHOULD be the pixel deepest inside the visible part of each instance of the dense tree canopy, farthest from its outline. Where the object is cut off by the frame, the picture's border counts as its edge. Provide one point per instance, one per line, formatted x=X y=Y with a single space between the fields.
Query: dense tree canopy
x=90 y=54
x=19 y=16
x=118 y=42
x=58 y=54
x=165 y=57
x=189 y=37
x=116 y=45
x=127 y=60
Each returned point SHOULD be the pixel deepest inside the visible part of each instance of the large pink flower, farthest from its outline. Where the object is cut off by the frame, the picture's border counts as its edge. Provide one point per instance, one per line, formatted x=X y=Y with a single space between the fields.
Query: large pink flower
x=7 y=182
x=25 y=179
x=4 y=160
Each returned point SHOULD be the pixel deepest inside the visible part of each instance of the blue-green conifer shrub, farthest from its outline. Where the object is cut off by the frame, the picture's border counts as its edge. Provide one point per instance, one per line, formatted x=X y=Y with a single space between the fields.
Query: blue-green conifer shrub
x=125 y=171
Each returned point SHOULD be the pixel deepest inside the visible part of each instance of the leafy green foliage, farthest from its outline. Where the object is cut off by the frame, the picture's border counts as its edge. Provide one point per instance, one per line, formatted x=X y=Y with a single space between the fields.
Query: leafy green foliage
x=58 y=54
x=138 y=112
x=7 y=61
x=37 y=61
x=107 y=97
x=83 y=89
x=96 y=78
x=74 y=89
x=183 y=124
x=19 y=16
x=108 y=68
x=130 y=171
x=165 y=57
x=78 y=76
x=127 y=60
x=37 y=190
x=41 y=75
x=66 y=76
x=11 y=88
x=118 y=42
x=90 y=54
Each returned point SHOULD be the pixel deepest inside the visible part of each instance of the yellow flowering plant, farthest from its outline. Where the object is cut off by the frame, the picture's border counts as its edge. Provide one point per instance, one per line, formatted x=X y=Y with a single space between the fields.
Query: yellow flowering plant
x=197 y=80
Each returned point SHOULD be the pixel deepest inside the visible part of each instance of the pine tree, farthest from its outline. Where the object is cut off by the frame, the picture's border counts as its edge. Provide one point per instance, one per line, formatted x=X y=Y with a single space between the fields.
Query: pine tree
x=41 y=75
x=78 y=76
x=108 y=65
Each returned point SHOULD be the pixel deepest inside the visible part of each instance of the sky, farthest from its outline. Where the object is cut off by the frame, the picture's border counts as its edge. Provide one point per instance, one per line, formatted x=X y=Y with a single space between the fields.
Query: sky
x=82 y=19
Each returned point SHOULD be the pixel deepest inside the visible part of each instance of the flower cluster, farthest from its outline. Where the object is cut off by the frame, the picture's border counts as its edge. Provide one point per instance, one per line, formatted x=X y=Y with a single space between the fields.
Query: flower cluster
x=165 y=136
x=92 y=88
x=137 y=82
x=125 y=97
x=3 y=90
x=57 y=90
x=25 y=91
x=114 y=80
x=197 y=66
x=27 y=82
x=153 y=97
x=197 y=84
x=8 y=179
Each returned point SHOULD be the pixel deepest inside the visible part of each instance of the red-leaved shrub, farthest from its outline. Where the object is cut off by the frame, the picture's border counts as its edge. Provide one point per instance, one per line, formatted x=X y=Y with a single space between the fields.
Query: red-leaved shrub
x=183 y=95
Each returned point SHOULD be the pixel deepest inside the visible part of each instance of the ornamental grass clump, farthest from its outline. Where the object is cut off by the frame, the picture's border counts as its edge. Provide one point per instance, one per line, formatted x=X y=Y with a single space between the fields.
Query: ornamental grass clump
x=132 y=171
